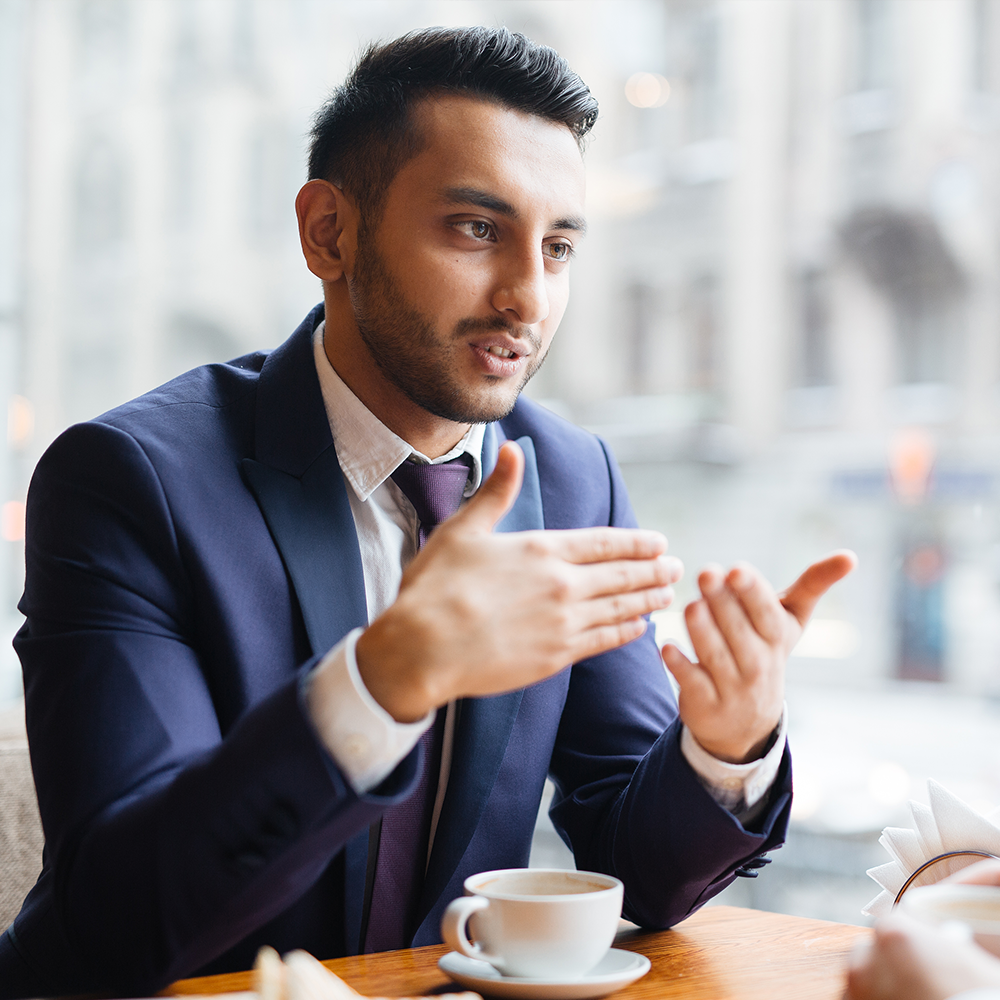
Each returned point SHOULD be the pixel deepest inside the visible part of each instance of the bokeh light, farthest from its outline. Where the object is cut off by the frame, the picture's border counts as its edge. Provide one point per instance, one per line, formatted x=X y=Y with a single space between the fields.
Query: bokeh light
x=12 y=521
x=647 y=90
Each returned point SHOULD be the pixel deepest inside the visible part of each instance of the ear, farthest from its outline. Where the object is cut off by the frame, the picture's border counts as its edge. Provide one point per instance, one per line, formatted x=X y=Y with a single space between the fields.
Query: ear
x=328 y=227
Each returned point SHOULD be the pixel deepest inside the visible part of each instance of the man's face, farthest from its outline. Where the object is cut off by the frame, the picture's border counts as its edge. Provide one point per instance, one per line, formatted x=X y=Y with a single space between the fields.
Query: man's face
x=460 y=286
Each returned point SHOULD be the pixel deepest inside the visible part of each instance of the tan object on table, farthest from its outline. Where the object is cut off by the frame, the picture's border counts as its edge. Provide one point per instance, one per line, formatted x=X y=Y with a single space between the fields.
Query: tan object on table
x=301 y=977
x=721 y=953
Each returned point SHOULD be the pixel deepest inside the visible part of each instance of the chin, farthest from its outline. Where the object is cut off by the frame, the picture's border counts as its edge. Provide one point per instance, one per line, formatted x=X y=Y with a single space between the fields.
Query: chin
x=463 y=404
x=474 y=413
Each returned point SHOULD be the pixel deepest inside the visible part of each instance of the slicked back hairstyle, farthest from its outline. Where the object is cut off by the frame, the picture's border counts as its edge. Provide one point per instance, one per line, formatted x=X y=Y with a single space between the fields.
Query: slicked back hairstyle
x=365 y=132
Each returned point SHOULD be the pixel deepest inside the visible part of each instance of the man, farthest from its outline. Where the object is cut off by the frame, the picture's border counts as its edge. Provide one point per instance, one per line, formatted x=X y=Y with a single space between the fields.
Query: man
x=233 y=646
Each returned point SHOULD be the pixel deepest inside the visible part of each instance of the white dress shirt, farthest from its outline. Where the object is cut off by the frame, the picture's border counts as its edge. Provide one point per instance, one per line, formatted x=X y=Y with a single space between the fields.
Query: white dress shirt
x=364 y=740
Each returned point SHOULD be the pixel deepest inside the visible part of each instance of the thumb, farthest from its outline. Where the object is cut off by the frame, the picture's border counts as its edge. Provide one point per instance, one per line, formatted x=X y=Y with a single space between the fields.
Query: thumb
x=801 y=597
x=497 y=495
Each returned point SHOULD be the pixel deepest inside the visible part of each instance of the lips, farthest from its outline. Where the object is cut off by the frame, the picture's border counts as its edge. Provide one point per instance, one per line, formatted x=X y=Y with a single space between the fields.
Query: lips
x=498 y=356
x=502 y=345
x=500 y=349
x=501 y=352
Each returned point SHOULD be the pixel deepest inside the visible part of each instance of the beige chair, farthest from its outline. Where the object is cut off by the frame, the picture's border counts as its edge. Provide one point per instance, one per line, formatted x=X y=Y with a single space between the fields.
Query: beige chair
x=20 y=829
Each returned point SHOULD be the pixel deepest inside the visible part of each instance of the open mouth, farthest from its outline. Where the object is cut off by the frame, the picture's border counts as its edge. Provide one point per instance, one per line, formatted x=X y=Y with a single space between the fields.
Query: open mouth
x=501 y=352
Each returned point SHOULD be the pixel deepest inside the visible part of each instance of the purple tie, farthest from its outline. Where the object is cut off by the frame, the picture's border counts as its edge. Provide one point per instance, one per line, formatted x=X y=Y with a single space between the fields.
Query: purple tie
x=436 y=493
x=434 y=490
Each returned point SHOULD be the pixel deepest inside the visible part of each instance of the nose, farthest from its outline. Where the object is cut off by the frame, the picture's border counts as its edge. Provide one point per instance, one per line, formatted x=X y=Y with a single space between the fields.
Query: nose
x=520 y=290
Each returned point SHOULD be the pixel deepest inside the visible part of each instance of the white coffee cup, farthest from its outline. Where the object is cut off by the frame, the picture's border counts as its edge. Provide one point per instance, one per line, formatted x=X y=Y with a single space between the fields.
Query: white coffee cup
x=536 y=923
x=974 y=907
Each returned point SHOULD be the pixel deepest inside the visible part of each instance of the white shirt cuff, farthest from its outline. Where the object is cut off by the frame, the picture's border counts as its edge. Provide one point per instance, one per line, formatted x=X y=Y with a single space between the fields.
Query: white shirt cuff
x=736 y=787
x=363 y=738
x=980 y=993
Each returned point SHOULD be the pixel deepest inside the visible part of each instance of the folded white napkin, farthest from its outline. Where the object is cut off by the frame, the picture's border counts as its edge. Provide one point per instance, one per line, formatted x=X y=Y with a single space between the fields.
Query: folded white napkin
x=948 y=825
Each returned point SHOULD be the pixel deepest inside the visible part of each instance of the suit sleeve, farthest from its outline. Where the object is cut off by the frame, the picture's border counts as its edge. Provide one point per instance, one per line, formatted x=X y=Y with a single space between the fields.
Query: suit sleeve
x=169 y=836
x=627 y=801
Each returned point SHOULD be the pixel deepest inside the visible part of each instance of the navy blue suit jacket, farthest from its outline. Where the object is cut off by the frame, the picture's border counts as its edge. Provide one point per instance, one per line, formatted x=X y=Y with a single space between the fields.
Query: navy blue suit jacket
x=189 y=556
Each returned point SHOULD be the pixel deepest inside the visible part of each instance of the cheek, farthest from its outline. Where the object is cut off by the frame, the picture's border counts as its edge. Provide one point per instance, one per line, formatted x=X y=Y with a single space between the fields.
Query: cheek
x=444 y=286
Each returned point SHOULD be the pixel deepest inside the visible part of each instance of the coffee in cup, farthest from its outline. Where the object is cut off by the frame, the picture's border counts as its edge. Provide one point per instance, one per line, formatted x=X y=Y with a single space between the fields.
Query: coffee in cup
x=975 y=907
x=537 y=923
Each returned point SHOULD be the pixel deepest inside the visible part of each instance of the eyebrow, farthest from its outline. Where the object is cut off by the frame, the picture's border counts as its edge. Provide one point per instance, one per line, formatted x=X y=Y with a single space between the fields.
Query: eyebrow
x=483 y=199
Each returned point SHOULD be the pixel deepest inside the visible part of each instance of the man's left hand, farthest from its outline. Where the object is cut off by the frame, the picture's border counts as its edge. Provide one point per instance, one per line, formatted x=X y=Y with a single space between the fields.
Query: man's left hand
x=742 y=632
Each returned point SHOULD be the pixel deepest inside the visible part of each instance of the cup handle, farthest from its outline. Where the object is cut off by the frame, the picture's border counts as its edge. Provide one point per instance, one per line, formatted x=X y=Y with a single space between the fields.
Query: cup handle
x=453 y=927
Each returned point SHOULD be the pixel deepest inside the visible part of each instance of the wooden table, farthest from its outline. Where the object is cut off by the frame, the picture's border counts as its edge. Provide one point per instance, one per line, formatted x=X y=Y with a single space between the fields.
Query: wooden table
x=721 y=953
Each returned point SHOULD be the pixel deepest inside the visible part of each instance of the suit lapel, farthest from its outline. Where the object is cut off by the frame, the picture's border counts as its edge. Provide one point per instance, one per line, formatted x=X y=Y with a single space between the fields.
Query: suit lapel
x=296 y=480
x=484 y=724
x=311 y=523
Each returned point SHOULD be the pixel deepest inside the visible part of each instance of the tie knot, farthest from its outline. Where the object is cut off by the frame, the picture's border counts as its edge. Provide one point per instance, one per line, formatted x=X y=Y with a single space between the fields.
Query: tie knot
x=434 y=490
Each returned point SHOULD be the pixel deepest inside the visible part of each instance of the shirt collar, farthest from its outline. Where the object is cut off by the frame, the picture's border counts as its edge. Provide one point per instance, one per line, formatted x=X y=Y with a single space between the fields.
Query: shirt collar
x=367 y=450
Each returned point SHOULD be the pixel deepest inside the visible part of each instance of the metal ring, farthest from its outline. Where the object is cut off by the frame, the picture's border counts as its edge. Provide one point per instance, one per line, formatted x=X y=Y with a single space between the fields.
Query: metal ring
x=940 y=857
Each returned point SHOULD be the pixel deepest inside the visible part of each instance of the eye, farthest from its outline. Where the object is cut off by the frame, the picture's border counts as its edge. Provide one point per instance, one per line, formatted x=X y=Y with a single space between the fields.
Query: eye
x=558 y=251
x=477 y=229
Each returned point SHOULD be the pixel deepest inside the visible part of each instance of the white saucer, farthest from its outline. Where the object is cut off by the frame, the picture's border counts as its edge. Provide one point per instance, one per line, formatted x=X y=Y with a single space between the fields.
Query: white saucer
x=617 y=969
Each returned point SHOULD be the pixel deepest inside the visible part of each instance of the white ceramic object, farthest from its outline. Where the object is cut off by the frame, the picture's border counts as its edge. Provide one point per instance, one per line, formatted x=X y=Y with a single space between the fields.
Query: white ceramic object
x=617 y=969
x=535 y=923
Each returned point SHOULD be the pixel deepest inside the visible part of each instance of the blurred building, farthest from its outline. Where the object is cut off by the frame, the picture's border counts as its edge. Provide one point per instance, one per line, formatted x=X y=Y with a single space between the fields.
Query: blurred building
x=792 y=322
x=786 y=317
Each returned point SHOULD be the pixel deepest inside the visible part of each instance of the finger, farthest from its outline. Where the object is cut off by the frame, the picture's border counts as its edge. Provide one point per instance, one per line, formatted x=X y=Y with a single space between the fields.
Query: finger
x=594 y=641
x=801 y=597
x=622 y=577
x=724 y=622
x=759 y=602
x=622 y=607
x=714 y=653
x=691 y=677
x=497 y=495
x=593 y=545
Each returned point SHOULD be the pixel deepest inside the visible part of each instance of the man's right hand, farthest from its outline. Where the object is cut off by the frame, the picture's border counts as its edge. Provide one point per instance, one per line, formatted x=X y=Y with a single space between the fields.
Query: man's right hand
x=480 y=613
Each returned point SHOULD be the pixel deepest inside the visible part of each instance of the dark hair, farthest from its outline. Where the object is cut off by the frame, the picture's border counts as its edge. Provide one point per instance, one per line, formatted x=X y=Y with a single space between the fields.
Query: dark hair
x=365 y=132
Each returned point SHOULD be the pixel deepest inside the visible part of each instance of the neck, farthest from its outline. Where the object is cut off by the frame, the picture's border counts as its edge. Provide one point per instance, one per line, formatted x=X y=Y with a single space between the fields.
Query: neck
x=426 y=433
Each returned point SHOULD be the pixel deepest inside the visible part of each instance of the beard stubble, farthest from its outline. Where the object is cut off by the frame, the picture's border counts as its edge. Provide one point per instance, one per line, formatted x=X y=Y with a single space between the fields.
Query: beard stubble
x=417 y=358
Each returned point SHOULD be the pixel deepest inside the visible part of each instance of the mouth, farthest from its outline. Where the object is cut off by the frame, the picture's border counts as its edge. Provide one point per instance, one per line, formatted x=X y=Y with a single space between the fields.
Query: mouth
x=499 y=357
x=501 y=352
x=504 y=345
